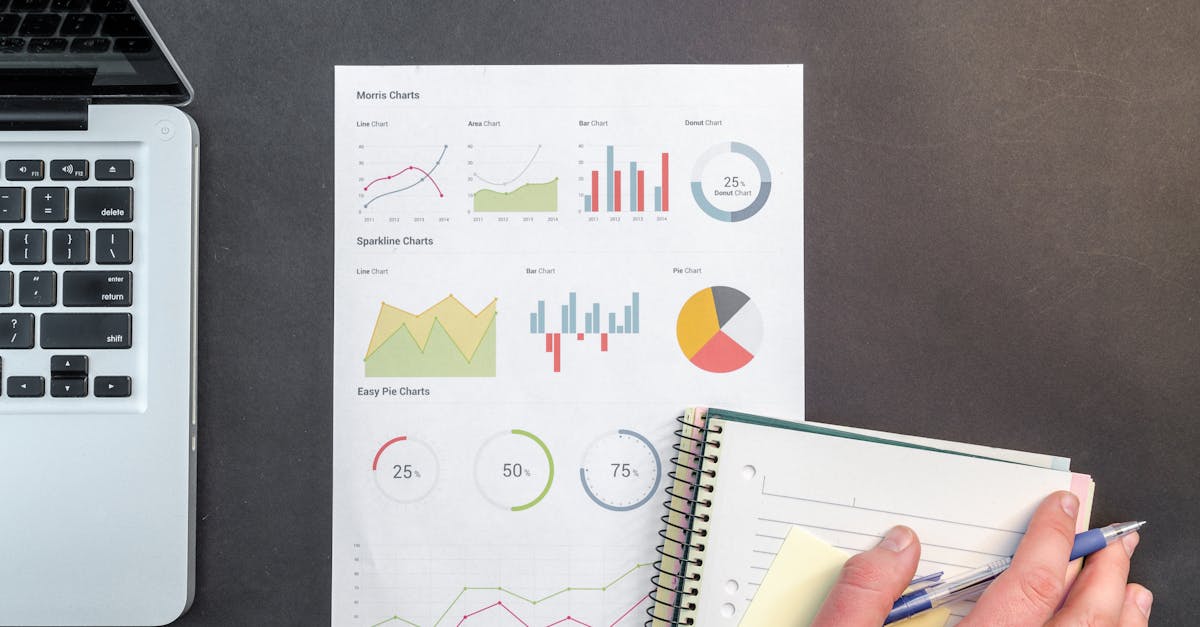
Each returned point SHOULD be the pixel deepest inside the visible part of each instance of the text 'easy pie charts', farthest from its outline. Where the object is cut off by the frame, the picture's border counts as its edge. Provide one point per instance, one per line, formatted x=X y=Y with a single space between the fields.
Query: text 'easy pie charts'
x=719 y=329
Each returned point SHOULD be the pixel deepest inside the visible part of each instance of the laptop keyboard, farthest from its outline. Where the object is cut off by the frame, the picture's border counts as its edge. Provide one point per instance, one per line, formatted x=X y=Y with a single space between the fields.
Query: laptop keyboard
x=66 y=278
x=71 y=26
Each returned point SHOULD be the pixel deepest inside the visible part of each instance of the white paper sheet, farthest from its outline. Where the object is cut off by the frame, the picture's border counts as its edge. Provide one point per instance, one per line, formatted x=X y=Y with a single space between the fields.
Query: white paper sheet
x=474 y=484
x=967 y=511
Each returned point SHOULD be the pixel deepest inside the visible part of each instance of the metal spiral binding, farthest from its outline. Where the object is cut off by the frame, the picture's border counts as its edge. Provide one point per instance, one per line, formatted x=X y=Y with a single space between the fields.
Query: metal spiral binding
x=683 y=544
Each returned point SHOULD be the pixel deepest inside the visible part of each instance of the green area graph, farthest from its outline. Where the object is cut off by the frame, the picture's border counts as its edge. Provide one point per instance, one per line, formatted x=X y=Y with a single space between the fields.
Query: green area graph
x=446 y=340
x=528 y=198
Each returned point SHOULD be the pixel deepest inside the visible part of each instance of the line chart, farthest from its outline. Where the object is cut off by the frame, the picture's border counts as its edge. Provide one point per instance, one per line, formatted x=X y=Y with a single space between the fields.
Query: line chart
x=527 y=599
x=426 y=175
x=513 y=179
x=562 y=621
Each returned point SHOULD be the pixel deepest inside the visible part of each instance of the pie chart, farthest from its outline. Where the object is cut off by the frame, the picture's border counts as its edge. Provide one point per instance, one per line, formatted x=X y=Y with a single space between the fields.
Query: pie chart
x=719 y=329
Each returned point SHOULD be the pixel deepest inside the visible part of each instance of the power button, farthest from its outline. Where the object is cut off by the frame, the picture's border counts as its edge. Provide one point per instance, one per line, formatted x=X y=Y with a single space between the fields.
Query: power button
x=165 y=130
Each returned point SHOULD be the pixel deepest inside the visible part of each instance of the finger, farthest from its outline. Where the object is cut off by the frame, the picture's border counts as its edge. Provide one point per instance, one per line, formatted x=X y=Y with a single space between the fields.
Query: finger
x=1032 y=588
x=1100 y=588
x=1136 y=612
x=871 y=581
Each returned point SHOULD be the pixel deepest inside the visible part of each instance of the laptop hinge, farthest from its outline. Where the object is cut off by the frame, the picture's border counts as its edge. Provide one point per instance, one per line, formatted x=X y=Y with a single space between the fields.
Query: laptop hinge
x=33 y=113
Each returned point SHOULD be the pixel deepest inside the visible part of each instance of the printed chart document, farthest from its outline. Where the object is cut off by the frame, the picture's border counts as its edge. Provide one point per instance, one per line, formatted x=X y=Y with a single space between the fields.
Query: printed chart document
x=537 y=269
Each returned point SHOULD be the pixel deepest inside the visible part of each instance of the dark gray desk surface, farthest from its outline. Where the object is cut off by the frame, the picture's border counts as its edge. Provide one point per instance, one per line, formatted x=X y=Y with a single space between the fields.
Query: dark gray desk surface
x=1002 y=239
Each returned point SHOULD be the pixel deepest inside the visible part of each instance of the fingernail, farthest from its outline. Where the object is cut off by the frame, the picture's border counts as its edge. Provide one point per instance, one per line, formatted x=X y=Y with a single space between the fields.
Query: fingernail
x=1144 y=600
x=897 y=539
x=1070 y=504
x=1130 y=543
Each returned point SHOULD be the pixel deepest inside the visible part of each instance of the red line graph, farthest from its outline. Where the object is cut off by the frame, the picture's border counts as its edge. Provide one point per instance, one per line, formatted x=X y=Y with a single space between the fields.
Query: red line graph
x=499 y=604
x=631 y=608
x=562 y=621
x=408 y=169
x=568 y=619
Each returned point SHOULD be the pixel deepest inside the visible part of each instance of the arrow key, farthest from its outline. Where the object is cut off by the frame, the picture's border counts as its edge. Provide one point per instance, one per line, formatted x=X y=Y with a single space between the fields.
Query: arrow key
x=68 y=388
x=68 y=366
x=26 y=387
x=113 y=387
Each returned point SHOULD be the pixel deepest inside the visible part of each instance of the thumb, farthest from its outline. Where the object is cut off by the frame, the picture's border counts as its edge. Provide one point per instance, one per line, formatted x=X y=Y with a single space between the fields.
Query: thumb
x=871 y=581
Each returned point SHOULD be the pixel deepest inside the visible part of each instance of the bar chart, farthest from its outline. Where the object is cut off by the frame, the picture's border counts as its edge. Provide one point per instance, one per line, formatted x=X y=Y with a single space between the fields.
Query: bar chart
x=598 y=322
x=625 y=185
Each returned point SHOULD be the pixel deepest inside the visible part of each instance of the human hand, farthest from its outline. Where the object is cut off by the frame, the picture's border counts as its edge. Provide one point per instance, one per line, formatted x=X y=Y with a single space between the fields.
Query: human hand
x=1035 y=590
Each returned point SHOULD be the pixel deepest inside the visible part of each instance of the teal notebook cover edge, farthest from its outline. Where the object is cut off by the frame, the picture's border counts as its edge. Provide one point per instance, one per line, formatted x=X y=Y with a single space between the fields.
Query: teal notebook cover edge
x=765 y=421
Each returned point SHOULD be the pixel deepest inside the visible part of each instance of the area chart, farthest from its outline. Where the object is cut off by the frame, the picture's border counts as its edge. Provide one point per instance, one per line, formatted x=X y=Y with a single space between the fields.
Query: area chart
x=530 y=197
x=445 y=340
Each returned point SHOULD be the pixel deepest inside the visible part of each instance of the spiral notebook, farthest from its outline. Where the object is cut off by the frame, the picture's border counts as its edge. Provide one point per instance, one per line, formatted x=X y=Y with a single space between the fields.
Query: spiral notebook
x=741 y=482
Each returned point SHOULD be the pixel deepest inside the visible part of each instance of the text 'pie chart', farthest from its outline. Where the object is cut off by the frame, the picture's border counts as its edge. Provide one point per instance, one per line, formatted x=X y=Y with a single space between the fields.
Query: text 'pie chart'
x=719 y=329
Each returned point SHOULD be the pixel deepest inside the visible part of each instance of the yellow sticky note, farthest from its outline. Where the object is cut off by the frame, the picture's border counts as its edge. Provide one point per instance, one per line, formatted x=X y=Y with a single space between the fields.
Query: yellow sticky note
x=798 y=582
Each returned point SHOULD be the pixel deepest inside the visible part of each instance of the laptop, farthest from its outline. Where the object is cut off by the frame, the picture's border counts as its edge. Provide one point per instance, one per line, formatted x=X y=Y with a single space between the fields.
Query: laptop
x=97 y=318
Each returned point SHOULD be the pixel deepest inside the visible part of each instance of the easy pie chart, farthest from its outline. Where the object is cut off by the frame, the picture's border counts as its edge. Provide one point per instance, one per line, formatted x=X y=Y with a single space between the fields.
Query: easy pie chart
x=719 y=329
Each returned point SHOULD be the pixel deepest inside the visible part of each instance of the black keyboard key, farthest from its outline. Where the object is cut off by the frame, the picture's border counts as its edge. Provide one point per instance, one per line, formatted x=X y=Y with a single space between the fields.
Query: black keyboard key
x=24 y=170
x=11 y=45
x=69 y=170
x=12 y=204
x=80 y=25
x=114 y=246
x=47 y=46
x=86 y=330
x=27 y=247
x=113 y=387
x=29 y=6
x=39 y=288
x=114 y=170
x=123 y=25
x=110 y=6
x=103 y=204
x=98 y=289
x=136 y=45
x=26 y=387
x=64 y=6
x=89 y=45
x=48 y=204
x=9 y=24
x=16 y=330
x=68 y=388
x=70 y=246
x=6 y=289
x=68 y=366
x=40 y=25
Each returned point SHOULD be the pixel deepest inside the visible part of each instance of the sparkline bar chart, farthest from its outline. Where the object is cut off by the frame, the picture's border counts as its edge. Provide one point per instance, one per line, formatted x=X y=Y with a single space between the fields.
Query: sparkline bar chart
x=595 y=323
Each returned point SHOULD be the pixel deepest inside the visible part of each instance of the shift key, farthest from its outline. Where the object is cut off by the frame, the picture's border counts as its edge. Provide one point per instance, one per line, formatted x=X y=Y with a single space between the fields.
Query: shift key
x=87 y=330
x=103 y=204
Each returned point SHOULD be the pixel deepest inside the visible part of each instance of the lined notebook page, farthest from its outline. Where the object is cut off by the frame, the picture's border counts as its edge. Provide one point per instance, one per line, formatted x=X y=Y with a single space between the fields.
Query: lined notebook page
x=967 y=511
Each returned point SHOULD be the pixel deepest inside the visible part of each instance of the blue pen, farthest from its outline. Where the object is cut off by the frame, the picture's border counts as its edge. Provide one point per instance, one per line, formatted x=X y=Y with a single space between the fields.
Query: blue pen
x=946 y=592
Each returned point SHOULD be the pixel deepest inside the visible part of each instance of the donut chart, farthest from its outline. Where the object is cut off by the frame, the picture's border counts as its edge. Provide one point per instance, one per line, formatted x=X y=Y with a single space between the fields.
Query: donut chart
x=719 y=329
x=727 y=191
x=621 y=470
x=514 y=470
x=405 y=470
